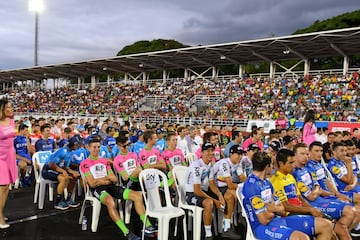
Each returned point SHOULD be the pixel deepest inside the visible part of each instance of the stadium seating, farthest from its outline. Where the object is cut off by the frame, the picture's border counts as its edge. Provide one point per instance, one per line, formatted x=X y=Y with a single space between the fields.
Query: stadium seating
x=250 y=98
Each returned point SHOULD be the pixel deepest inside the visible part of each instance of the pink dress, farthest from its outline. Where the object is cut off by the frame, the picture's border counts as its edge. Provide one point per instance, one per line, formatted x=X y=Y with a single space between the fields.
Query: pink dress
x=8 y=170
x=309 y=132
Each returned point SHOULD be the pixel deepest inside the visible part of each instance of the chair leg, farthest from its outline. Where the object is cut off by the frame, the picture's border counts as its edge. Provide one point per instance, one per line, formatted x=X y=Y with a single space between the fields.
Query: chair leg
x=41 y=195
x=197 y=217
x=51 y=192
x=190 y=220
x=215 y=222
x=163 y=231
x=82 y=211
x=79 y=188
x=17 y=183
x=184 y=227
x=95 y=215
x=65 y=193
x=220 y=218
x=36 y=192
x=121 y=210
x=143 y=230
x=128 y=207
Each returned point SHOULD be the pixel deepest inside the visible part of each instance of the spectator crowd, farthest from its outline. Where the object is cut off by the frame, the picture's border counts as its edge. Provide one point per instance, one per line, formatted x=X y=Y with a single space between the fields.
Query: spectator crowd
x=282 y=175
x=333 y=97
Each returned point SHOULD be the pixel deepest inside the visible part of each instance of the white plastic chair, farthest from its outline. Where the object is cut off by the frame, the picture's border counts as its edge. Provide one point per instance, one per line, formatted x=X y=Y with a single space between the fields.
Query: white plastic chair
x=179 y=174
x=150 y=180
x=128 y=205
x=190 y=157
x=96 y=206
x=95 y=203
x=39 y=159
x=328 y=173
x=249 y=232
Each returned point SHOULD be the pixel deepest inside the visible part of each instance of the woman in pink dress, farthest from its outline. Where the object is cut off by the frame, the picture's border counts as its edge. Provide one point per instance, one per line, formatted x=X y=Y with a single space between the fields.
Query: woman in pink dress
x=8 y=170
x=309 y=129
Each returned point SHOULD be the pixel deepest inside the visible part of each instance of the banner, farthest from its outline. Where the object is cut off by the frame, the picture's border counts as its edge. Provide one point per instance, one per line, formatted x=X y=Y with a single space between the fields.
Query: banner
x=343 y=126
x=318 y=124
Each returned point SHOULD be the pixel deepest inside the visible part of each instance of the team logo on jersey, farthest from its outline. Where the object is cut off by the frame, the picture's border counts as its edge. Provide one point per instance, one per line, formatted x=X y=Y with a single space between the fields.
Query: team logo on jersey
x=280 y=194
x=197 y=171
x=335 y=170
x=313 y=175
x=257 y=202
x=302 y=187
x=224 y=167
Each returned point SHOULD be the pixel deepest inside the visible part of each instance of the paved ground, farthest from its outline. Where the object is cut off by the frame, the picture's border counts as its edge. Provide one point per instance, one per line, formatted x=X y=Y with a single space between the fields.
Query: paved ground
x=27 y=222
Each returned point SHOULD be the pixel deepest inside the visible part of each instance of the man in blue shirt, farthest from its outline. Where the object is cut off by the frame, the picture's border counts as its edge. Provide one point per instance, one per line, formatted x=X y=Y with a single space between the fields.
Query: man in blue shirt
x=65 y=140
x=236 y=140
x=340 y=167
x=45 y=143
x=23 y=158
x=316 y=196
x=140 y=144
x=267 y=215
x=109 y=140
x=161 y=142
x=57 y=168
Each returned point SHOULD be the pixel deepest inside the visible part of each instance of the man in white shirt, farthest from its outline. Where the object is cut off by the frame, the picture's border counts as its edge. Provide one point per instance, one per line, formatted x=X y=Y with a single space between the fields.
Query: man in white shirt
x=182 y=143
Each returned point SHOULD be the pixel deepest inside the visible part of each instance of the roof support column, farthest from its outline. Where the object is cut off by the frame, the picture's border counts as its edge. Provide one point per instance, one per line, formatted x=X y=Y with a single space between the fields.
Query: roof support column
x=186 y=74
x=108 y=80
x=126 y=77
x=272 y=70
x=214 y=73
x=164 y=76
x=241 y=71
x=79 y=82
x=306 y=67
x=93 y=82
x=346 y=65
x=144 y=77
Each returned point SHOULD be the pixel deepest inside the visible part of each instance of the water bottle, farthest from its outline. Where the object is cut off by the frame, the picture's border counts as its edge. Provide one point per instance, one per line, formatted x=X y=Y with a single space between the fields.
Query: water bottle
x=84 y=224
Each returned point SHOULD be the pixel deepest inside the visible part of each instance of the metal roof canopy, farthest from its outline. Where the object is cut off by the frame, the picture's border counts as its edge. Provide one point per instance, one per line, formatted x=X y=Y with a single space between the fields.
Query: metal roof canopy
x=343 y=42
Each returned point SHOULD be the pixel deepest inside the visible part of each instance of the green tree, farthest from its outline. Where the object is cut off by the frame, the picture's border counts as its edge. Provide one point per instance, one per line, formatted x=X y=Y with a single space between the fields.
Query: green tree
x=150 y=46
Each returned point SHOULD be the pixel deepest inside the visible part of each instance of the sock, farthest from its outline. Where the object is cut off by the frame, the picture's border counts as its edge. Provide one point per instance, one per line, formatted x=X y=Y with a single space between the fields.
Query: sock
x=142 y=217
x=122 y=226
x=208 y=232
x=226 y=224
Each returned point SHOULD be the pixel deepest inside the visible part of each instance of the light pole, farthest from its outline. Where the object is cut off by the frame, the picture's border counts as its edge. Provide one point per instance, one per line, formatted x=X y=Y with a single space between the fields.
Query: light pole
x=36 y=6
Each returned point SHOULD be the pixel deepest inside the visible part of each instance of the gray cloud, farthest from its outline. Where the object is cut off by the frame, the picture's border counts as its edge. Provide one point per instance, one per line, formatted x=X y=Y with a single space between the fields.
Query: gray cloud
x=74 y=30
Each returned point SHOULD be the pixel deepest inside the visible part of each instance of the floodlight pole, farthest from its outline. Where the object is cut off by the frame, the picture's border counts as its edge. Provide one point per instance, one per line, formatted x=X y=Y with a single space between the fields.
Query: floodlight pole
x=36 y=38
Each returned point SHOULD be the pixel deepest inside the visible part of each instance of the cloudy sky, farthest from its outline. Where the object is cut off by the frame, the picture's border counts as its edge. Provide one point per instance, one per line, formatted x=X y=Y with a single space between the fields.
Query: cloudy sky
x=75 y=30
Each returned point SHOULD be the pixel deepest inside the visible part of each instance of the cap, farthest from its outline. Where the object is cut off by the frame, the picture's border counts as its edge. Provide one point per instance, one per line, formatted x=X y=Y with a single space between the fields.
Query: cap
x=287 y=139
x=236 y=149
x=206 y=146
x=253 y=146
x=275 y=145
x=159 y=130
x=140 y=132
x=73 y=141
